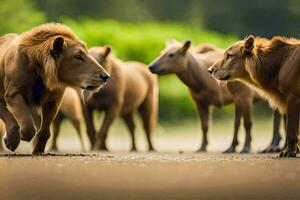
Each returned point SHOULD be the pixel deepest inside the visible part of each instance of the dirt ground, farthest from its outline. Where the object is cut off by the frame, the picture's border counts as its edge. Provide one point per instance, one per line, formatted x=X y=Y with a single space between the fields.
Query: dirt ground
x=149 y=176
x=174 y=173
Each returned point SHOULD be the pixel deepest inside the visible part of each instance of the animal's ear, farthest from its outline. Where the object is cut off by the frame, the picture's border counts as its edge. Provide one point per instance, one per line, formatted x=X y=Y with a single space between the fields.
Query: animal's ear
x=57 y=46
x=186 y=46
x=171 y=42
x=107 y=51
x=249 y=43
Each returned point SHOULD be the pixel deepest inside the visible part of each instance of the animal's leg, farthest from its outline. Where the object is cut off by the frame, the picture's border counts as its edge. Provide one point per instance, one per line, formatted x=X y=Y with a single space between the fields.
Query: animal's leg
x=292 y=127
x=89 y=122
x=49 y=111
x=109 y=117
x=148 y=113
x=247 y=118
x=22 y=113
x=203 y=111
x=274 y=146
x=76 y=124
x=237 y=122
x=12 y=138
x=56 y=127
x=128 y=119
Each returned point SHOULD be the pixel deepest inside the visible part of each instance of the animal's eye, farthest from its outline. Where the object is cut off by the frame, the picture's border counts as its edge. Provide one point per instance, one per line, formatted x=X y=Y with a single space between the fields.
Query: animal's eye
x=229 y=55
x=171 y=55
x=79 y=57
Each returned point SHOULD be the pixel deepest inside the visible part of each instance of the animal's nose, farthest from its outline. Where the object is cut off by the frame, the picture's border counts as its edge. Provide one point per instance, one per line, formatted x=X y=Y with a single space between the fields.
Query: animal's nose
x=211 y=70
x=104 y=77
x=152 y=67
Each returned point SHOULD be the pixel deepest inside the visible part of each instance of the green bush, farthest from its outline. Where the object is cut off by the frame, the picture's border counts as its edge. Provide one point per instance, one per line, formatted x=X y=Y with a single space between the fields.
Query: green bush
x=143 y=42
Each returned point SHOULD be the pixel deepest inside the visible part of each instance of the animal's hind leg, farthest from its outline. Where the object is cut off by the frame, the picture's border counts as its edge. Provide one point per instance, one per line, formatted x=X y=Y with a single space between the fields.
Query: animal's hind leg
x=247 y=116
x=128 y=119
x=56 y=127
x=76 y=124
x=13 y=137
x=237 y=121
x=274 y=146
x=148 y=122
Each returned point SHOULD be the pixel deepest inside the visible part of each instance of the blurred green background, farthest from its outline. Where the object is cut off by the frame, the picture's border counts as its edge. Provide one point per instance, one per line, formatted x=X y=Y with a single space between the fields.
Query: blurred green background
x=138 y=29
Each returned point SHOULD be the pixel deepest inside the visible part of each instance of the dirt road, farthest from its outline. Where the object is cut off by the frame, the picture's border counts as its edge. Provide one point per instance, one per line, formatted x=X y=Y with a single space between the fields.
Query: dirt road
x=149 y=176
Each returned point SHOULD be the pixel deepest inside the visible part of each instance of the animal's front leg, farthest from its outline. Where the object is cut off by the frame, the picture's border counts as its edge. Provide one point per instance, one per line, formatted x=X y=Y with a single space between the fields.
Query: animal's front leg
x=109 y=117
x=12 y=138
x=49 y=111
x=22 y=113
x=292 y=128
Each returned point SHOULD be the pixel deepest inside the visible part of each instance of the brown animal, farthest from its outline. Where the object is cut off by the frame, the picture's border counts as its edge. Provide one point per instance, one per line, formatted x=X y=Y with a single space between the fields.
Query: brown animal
x=191 y=68
x=36 y=66
x=271 y=68
x=204 y=48
x=131 y=88
x=70 y=109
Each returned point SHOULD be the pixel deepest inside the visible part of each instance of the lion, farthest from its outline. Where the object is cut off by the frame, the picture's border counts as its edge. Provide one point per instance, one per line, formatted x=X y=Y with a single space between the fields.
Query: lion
x=35 y=68
x=191 y=68
x=131 y=88
x=271 y=68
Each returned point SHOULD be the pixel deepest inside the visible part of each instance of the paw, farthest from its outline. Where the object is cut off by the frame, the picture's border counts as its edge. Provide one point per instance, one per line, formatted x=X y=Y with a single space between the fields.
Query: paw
x=12 y=140
x=27 y=133
x=231 y=149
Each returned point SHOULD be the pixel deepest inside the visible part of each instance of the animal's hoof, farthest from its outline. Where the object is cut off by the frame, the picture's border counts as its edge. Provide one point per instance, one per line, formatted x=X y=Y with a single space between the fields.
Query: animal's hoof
x=287 y=154
x=272 y=149
x=133 y=149
x=11 y=143
x=230 y=150
x=245 y=150
x=202 y=149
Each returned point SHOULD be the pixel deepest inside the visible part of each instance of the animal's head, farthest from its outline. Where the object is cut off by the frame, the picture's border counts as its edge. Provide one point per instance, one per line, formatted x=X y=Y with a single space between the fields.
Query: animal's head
x=62 y=57
x=173 y=58
x=101 y=54
x=233 y=64
x=76 y=67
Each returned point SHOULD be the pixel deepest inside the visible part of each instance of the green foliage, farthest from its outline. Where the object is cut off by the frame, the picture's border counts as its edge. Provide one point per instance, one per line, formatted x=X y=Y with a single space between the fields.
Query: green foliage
x=18 y=16
x=143 y=42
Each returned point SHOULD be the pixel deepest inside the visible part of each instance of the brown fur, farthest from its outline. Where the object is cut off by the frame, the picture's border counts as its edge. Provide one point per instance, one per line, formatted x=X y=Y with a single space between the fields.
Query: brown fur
x=270 y=67
x=35 y=68
x=204 y=48
x=131 y=88
x=70 y=109
x=191 y=68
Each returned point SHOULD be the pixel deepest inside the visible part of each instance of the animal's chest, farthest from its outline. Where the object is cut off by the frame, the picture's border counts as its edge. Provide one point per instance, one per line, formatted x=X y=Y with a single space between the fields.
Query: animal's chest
x=102 y=99
x=37 y=91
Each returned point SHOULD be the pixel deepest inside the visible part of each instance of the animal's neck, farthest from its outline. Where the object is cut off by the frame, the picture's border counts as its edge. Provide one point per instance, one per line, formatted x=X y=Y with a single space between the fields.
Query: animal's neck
x=193 y=74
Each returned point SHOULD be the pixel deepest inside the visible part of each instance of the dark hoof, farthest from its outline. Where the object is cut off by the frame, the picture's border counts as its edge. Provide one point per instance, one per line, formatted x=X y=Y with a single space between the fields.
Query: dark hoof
x=272 y=149
x=245 y=150
x=12 y=143
x=201 y=150
x=287 y=154
x=133 y=149
x=230 y=150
